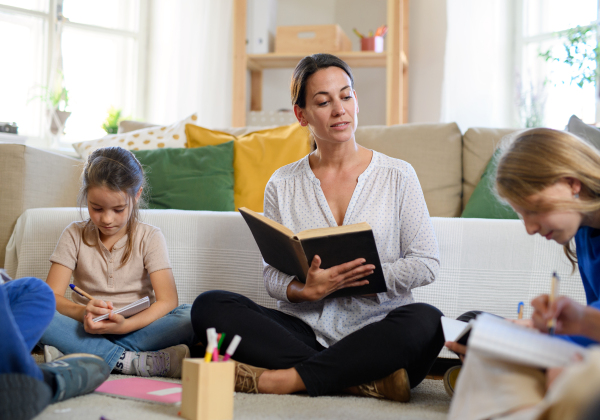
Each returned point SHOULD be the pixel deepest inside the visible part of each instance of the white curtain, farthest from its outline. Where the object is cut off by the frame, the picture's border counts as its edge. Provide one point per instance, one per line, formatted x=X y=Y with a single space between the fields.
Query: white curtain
x=479 y=68
x=190 y=61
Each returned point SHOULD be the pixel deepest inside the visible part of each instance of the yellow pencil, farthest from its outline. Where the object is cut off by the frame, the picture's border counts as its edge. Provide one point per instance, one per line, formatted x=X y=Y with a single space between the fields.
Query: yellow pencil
x=553 y=294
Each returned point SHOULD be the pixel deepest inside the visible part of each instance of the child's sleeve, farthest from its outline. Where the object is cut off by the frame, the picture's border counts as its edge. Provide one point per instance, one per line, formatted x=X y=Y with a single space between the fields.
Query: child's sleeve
x=66 y=250
x=156 y=256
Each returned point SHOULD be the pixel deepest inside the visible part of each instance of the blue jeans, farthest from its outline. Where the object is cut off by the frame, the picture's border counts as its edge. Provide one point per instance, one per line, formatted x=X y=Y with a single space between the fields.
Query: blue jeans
x=69 y=336
x=27 y=306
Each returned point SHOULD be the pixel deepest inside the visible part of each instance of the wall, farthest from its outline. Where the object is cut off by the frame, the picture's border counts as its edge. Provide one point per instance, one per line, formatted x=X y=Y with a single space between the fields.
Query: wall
x=426 y=50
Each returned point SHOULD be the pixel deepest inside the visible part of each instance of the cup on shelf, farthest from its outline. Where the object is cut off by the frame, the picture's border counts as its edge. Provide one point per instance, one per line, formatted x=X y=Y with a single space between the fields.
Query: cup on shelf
x=372 y=43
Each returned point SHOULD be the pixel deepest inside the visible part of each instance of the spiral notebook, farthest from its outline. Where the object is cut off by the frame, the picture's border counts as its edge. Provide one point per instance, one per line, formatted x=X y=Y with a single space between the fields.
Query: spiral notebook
x=129 y=310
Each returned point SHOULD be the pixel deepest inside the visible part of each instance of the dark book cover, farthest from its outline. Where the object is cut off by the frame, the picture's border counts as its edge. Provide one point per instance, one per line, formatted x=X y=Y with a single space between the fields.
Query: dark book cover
x=277 y=248
x=342 y=248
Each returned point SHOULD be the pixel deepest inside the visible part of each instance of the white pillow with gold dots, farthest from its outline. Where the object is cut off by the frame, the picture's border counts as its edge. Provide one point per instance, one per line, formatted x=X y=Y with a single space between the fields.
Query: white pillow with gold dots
x=172 y=136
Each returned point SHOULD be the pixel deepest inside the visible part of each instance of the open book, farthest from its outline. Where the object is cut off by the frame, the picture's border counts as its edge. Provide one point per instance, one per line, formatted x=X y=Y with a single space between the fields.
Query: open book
x=504 y=340
x=292 y=253
x=129 y=310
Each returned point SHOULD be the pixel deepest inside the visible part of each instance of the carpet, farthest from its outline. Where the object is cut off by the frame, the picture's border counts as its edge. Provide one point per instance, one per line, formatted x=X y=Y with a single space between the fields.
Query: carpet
x=429 y=401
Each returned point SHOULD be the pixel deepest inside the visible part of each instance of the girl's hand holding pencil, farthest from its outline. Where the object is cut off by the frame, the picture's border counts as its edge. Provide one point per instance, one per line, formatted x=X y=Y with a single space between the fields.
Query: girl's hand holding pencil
x=569 y=314
x=96 y=307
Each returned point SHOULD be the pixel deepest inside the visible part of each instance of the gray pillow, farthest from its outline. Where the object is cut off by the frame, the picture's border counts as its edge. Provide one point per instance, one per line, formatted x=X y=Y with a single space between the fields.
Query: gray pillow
x=587 y=132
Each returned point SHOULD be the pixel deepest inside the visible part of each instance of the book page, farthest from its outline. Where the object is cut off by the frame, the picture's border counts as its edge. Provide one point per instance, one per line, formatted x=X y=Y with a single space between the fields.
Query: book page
x=505 y=340
x=453 y=328
x=336 y=230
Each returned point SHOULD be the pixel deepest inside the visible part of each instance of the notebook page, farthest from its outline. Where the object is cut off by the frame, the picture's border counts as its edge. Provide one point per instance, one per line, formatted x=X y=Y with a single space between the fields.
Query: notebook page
x=507 y=341
x=129 y=310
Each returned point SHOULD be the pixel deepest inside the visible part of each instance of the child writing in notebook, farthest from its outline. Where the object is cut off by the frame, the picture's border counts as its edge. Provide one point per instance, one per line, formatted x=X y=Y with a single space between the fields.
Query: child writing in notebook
x=117 y=259
x=552 y=180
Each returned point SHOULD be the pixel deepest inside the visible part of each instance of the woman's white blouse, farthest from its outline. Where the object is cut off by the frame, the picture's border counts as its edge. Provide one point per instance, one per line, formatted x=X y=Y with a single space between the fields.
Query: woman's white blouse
x=389 y=197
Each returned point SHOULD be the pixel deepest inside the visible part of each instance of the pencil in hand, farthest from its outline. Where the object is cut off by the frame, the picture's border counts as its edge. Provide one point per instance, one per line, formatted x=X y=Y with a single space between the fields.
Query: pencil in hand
x=80 y=292
x=551 y=299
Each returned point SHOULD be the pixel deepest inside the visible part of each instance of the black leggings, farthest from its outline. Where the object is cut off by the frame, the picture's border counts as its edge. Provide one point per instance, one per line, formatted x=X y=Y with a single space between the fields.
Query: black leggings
x=409 y=337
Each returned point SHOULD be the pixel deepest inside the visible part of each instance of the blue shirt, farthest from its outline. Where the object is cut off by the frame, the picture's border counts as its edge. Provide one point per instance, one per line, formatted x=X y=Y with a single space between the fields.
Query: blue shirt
x=389 y=197
x=587 y=241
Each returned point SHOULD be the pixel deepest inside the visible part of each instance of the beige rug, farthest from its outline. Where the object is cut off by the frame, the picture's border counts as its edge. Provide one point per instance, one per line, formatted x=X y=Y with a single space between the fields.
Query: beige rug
x=429 y=401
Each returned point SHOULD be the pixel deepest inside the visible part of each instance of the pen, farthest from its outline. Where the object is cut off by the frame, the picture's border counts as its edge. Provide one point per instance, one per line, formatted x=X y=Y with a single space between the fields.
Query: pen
x=520 y=310
x=553 y=293
x=80 y=292
x=361 y=36
x=211 y=344
x=232 y=347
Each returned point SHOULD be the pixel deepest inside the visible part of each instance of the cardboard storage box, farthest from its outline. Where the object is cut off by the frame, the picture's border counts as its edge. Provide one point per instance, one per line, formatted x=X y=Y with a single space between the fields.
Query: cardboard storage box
x=311 y=39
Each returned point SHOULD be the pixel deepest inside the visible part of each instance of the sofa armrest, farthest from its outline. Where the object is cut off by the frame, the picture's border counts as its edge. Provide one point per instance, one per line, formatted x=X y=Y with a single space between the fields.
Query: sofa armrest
x=32 y=178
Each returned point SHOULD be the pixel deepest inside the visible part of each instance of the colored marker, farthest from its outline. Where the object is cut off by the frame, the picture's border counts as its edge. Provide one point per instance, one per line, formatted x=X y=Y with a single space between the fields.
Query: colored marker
x=80 y=292
x=232 y=347
x=520 y=310
x=553 y=294
x=221 y=339
x=211 y=334
x=215 y=355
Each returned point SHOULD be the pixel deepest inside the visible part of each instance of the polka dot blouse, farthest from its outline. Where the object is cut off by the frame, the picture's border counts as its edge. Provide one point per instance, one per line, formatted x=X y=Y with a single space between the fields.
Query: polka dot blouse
x=389 y=197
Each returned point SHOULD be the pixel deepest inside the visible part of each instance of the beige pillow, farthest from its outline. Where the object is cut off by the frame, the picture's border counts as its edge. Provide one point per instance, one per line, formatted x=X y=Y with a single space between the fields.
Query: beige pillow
x=434 y=150
x=126 y=126
x=478 y=147
x=150 y=138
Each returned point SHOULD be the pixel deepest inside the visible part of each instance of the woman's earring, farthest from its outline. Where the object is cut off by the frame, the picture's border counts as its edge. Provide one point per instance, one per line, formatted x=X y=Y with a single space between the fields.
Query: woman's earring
x=576 y=196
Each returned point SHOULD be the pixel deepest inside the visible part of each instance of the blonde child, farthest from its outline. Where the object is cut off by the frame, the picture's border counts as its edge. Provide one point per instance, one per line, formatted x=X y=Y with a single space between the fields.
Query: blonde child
x=117 y=259
x=552 y=180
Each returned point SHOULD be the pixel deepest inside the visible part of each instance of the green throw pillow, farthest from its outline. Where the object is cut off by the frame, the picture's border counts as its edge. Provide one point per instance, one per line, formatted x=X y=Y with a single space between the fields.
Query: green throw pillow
x=190 y=179
x=483 y=202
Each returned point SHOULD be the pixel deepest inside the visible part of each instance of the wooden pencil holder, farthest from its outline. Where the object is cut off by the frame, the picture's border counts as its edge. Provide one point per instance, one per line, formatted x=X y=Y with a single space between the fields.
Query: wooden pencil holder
x=208 y=388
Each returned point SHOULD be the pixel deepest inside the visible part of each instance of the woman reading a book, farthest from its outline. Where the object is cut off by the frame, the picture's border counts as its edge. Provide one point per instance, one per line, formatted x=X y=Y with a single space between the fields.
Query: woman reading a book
x=552 y=180
x=378 y=345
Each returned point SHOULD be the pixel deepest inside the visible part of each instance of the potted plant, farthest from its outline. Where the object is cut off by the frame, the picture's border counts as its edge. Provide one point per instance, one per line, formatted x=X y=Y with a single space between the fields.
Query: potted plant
x=58 y=100
x=111 y=123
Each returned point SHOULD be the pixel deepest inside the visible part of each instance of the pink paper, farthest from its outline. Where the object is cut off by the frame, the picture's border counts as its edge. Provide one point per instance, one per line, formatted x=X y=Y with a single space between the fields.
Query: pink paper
x=143 y=389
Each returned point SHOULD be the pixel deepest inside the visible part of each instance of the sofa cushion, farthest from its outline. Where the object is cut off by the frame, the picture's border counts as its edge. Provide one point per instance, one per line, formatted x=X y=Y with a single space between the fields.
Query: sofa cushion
x=256 y=157
x=585 y=131
x=478 y=147
x=126 y=126
x=483 y=202
x=190 y=179
x=144 y=139
x=434 y=150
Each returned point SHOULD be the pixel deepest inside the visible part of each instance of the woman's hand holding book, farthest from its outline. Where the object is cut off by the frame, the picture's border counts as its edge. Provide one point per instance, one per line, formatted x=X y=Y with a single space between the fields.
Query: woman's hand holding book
x=322 y=282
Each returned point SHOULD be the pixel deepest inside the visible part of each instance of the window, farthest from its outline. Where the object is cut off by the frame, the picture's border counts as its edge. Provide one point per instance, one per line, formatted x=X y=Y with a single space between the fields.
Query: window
x=101 y=49
x=547 y=93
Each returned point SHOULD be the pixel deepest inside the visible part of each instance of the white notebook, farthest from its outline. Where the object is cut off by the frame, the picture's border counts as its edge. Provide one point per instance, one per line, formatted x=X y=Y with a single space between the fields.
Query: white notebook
x=129 y=310
x=518 y=344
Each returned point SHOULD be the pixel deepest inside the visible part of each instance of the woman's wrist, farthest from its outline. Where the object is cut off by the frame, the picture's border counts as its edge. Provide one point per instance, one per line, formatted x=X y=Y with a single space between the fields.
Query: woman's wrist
x=295 y=291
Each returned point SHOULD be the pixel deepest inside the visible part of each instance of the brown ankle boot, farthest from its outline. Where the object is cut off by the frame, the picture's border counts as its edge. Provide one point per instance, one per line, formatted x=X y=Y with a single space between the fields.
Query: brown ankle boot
x=395 y=387
x=246 y=378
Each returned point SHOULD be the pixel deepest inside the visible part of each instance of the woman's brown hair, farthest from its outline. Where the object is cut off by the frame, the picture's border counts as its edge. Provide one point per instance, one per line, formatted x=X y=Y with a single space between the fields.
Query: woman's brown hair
x=118 y=170
x=540 y=157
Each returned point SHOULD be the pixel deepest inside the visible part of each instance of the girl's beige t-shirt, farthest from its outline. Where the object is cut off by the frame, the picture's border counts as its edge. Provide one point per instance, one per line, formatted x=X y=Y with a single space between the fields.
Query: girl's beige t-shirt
x=100 y=273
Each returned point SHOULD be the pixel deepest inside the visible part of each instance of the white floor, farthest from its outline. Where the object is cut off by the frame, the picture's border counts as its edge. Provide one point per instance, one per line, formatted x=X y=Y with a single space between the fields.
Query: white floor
x=429 y=401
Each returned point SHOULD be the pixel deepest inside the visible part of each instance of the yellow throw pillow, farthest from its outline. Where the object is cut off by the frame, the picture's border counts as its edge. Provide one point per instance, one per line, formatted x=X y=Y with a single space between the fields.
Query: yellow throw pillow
x=256 y=156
